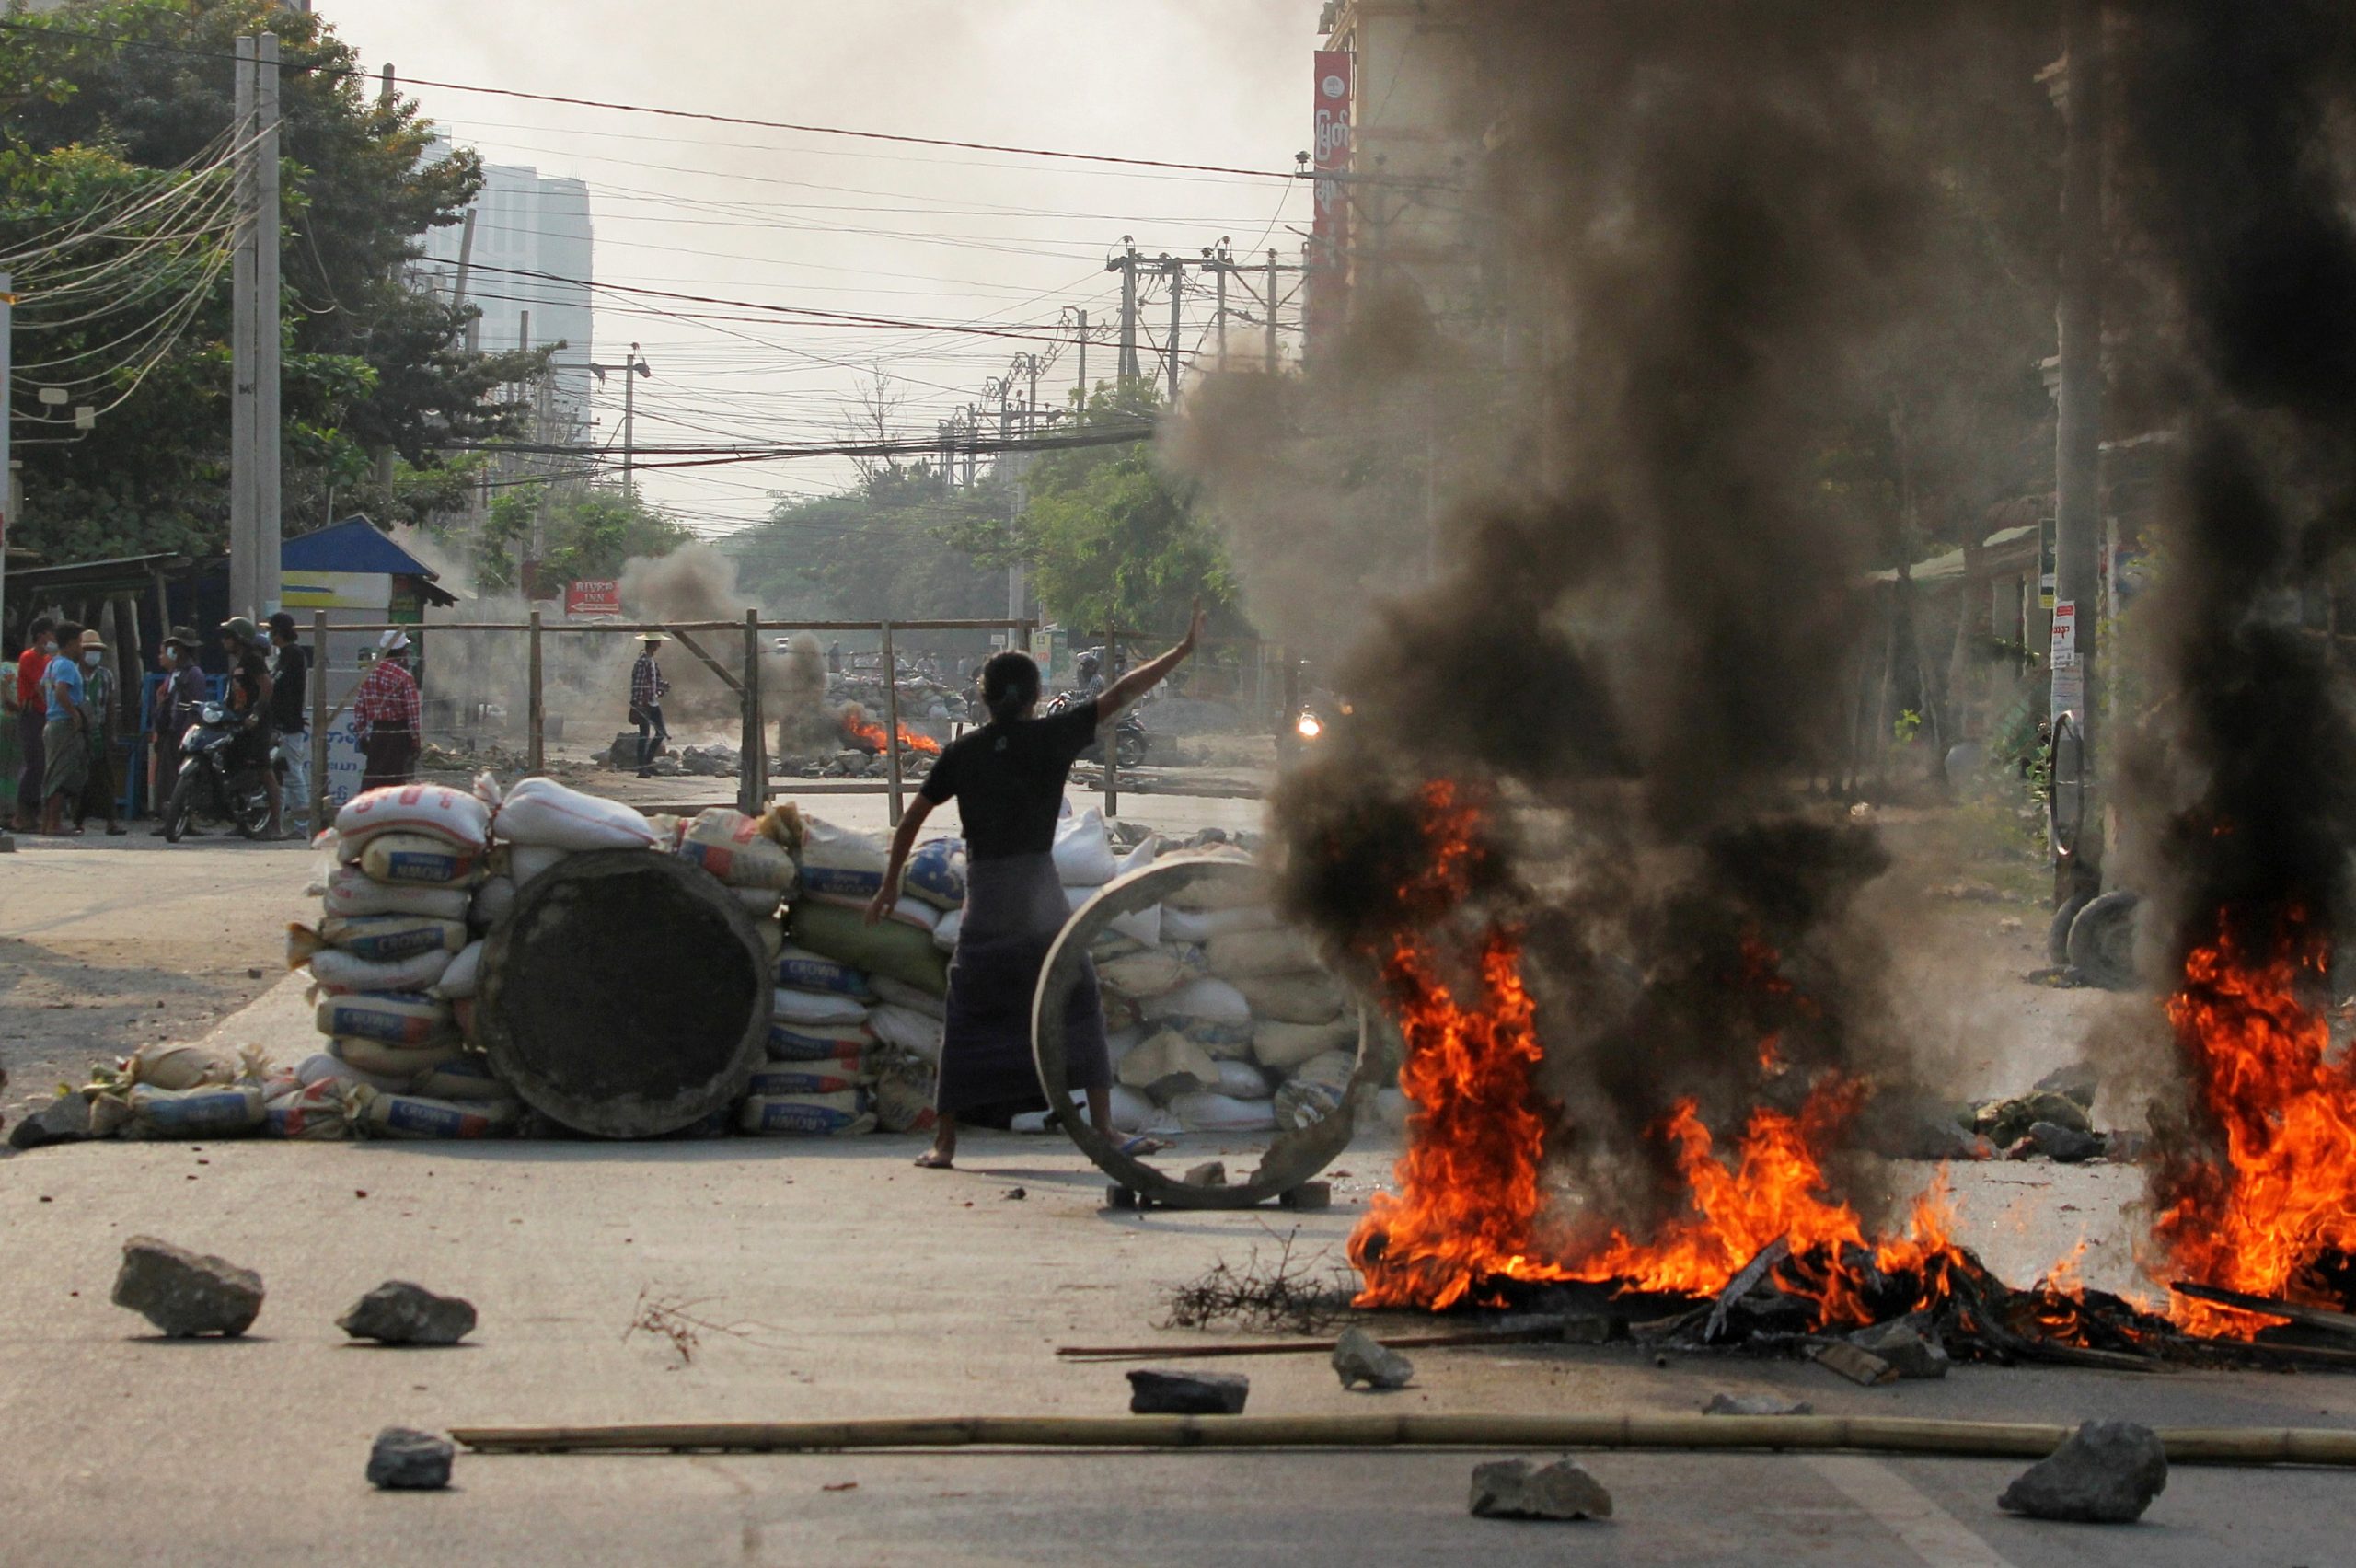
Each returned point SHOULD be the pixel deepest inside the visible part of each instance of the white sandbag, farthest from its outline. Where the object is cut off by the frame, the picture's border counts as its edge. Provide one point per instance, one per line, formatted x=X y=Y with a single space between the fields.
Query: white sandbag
x=1180 y=925
x=467 y=1079
x=804 y=970
x=1169 y=1064
x=395 y=1020
x=415 y=860
x=791 y=1041
x=1241 y=1081
x=178 y=1067
x=793 y=1005
x=1246 y=955
x=913 y=913
x=542 y=811
x=916 y=998
x=1140 y=925
x=733 y=846
x=1207 y=999
x=455 y=816
x=945 y=936
x=325 y=1066
x=1225 y=891
x=1141 y=857
x=848 y=1114
x=1133 y=1111
x=526 y=862
x=380 y=939
x=1083 y=851
x=396 y=1065
x=317 y=1111
x=1208 y=1112
x=1285 y=1047
x=464 y=977
x=1294 y=999
x=415 y=1116
x=849 y=1058
x=806 y=1078
x=352 y=892
x=339 y=971
x=935 y=873
x=1119 y=1042
x=213 y=1111
x=840 y=863
x=911 y=1031
x=1147 y=972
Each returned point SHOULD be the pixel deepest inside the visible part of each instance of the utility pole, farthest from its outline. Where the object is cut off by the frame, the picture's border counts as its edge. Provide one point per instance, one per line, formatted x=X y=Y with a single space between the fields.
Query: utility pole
x=1268 y=309
x=1176 y=270
x=7 y=472
x=1126 y=265
x=1222 y=318
x=2078 y=461
x=1083 y=361
x=244 y=532
x=269 y=343
x=632 y=368
x=1031 y=408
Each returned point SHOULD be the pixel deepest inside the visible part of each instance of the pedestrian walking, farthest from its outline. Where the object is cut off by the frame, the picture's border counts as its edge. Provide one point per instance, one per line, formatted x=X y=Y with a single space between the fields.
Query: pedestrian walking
x=102 y=791
x=65 y=741
x=290 y=712
x=389 y=715
x=178 y=702
x=647 y=687
x=1007 y=779
x=33 y=718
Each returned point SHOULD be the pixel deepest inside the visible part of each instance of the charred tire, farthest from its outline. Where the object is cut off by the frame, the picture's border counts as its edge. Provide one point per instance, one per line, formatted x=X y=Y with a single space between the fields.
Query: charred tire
x=2102 y=941
x=177 y=807
x=2057 y=934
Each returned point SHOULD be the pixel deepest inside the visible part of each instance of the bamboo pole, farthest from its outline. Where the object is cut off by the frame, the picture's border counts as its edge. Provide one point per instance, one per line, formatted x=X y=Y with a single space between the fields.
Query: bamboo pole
x=1548 y=1335
x=536 y=760
x=1793 y=1434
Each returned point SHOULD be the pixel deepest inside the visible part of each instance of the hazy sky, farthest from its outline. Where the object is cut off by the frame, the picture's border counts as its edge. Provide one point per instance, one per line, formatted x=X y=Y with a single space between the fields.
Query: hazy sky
x=926 y=234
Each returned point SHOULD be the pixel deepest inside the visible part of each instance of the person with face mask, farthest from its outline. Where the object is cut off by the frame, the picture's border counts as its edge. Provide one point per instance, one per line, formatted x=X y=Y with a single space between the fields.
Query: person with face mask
x=104 y=702
x=32 y=716
x=177 y=702
x=66 y=739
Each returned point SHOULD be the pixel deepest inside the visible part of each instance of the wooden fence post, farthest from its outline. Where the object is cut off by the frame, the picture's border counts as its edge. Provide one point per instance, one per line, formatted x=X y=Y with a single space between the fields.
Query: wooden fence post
x=1111 y=742
x=535 y=758
x=891 y=723
x=319 y=722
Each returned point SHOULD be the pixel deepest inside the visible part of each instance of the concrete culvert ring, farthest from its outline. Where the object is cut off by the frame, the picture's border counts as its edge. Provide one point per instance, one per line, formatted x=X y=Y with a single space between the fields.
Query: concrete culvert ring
x=1293 y=1156
x=2102 y=941
x=626 y=995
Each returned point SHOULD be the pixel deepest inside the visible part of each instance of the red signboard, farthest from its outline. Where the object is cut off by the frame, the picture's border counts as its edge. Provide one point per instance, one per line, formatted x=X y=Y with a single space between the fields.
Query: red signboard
x=600 y=597
x=1329 y=273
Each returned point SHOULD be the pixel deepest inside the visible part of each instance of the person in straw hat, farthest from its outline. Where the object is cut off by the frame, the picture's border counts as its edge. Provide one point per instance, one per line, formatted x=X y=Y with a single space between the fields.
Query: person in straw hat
x=647 y=687
x=389 y=716
x=103 y=701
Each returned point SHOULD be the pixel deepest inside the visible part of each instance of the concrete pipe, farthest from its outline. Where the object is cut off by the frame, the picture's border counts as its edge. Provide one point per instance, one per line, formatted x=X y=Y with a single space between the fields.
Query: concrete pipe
x=626 y=995
x=1294 y=1155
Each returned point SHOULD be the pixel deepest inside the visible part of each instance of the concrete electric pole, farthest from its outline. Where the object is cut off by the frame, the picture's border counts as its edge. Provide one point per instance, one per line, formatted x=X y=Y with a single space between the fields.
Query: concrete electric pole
x=255 y=520
x=2078 y=464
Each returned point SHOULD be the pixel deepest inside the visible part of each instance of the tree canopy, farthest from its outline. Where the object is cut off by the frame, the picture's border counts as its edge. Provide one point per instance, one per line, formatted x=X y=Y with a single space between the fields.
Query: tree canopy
x=586 y=534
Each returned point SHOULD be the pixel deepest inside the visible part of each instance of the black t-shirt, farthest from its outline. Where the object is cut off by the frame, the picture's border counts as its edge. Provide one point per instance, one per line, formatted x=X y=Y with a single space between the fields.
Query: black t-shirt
x=248 y=671
x=1008 y=780
x=288 y=691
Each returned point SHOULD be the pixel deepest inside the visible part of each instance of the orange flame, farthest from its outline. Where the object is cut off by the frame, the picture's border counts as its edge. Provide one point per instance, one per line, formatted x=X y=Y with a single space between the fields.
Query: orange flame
x=861 y=727
x=2278 y=1190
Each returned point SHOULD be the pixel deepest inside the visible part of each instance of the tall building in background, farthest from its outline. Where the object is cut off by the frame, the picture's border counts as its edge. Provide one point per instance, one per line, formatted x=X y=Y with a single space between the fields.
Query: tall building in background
x=534 y=250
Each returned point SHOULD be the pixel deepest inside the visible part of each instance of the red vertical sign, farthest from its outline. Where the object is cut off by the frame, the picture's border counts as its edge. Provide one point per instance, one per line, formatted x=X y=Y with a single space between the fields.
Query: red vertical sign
x=1329 y=265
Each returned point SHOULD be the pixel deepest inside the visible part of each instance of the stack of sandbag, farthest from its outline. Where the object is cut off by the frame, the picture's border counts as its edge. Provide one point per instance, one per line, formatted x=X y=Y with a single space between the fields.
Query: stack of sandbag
x=167 y=1091
x=753 y=857
x=1086 y=860
x=395 y=955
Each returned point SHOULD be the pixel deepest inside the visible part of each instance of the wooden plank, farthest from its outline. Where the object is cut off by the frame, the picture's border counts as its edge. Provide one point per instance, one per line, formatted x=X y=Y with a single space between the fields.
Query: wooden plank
x=2270 y=1306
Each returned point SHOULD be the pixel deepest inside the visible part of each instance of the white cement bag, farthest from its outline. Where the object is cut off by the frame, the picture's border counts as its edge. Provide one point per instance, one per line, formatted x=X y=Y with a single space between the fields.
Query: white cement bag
x=792 y=1005
x=455 y=816
x=1168 y=1064
x=840 y=863
x=847 y=1114
x=1205 y=1009
x=1226 y=891
x=1247 y=955
x=816 y=1042
x=935 y=873
x=1134 y=1112
x=800 y=968
x=1210 y=1112
x=849 y=1058
x=213 y=1111
x=415 y=1116
x=731 y=846
x=464 y=977
x=1201 y=925
x=542 y=811
x=805 y=1078
x=325 y=1066
x=412 y=1020
x=351 y=891
x=415 y=860
x=945 y=936
x=1241 y=1081
x=1147 y=972
x=1142 y=926
x=1084 y=851
x=315 y=1112
x=399 y=1066
x=916 y=998
x=911 y=1031
x=1141 y=857
x=1294 y=999
x=341 y=973
x=380 y=939
x=527 y=862
x=466 y=1079
x=1285 y=1047
x=175 y=1067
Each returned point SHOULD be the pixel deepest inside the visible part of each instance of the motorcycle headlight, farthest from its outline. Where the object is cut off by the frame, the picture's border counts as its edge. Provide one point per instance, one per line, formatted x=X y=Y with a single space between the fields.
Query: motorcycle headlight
x=212 y=713
x=1310 y=727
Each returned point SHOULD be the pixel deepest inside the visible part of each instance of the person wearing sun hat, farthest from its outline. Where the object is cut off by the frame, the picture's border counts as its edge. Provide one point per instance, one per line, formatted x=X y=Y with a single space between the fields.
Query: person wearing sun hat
x=103 y=700
x=647 y=687
x=389 y=716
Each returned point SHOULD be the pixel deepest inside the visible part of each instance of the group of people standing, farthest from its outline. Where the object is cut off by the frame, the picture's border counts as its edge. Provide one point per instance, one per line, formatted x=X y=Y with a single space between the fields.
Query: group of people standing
x=67 y=709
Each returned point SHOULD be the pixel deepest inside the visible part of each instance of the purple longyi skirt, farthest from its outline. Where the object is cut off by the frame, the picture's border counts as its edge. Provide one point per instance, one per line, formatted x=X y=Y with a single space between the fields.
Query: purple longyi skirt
x=1014 y=908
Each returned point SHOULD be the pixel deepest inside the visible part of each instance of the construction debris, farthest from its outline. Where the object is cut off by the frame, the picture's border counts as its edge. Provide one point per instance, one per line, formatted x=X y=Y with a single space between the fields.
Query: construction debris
x=65 y=1119
x=1860 y=1366
x=397 y=1312
x=1187 y=1393
x=1525 y=1489
x=405 y=1459
x=1911 y=1354
x=2106 y=1473
x=1756 y=1404
x=186 y=1294
x=1360 y=1357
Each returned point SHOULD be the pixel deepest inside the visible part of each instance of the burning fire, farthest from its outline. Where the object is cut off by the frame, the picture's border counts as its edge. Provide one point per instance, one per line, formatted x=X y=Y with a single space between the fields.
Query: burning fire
x=862 y=730
x=2277 y=1191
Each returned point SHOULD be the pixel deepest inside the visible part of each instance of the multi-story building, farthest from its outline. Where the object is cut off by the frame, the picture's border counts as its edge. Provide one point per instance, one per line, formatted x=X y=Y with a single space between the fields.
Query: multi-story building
x=534 y=250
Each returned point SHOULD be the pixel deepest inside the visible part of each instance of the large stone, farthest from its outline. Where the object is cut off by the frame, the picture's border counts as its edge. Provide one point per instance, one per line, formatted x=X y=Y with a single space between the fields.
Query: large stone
x=65 y=1119
x=184 y=1293
x=405 y=1459
x=2064 y=1146
x=1525 y=1489
x=1187 y=1393
x=2106 y=1473
x=397 y=1312
x=1756 y=1404
x=1907 y=1349
x=1360 y=1357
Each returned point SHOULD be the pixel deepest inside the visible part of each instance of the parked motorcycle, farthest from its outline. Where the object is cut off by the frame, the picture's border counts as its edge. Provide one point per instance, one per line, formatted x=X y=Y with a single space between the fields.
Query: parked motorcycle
x=210 y=785
x=1130 y=739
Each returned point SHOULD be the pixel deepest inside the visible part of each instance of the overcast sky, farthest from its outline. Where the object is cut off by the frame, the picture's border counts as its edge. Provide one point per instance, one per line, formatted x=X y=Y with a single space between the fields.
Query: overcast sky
x=920 y=233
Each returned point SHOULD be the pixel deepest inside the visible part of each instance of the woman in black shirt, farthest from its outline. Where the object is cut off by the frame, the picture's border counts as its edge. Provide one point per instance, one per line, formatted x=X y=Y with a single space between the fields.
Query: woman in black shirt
x=1008 y=780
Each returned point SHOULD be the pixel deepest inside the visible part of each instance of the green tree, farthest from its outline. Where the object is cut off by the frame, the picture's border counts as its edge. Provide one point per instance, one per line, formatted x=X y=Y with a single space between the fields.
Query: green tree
x=899 y=545
x=588 y=534
x=110 y=101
